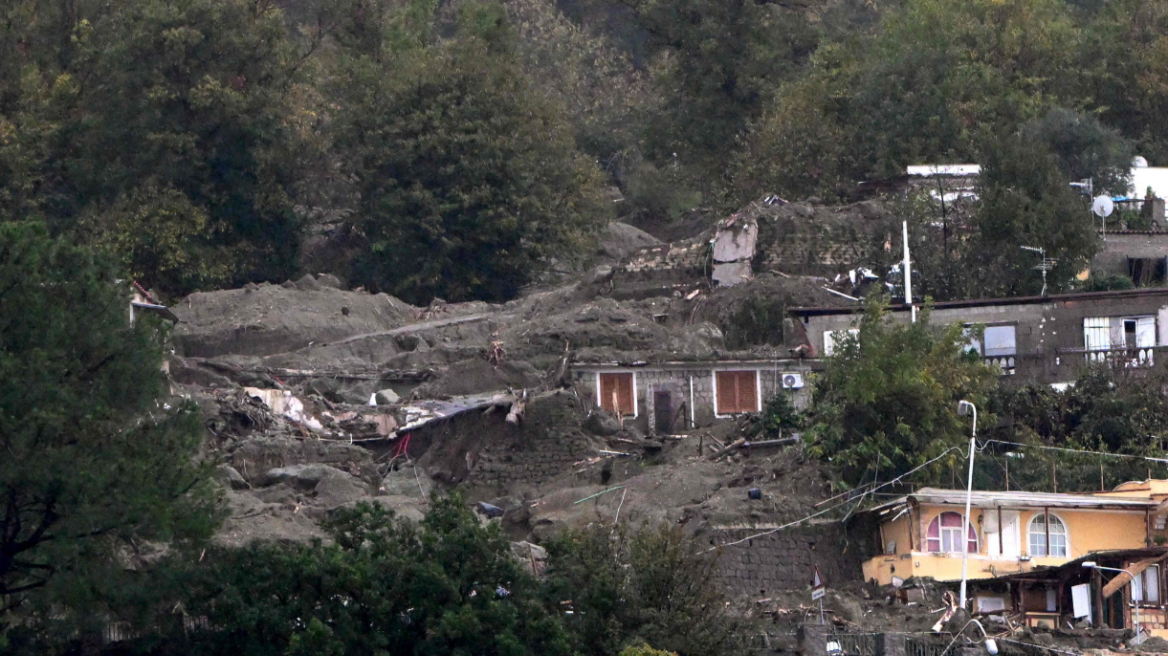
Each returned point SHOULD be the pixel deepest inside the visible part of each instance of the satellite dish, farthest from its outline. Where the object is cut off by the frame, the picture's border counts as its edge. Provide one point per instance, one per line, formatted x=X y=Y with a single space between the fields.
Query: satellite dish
x=1102 y=206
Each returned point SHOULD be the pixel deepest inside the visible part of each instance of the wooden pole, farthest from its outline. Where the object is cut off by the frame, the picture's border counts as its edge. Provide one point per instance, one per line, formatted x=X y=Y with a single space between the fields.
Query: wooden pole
x=1046 y=523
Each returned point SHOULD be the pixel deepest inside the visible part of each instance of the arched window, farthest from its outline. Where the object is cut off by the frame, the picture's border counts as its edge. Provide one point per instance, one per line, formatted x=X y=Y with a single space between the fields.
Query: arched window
x=945 y=534
x=1058 y=536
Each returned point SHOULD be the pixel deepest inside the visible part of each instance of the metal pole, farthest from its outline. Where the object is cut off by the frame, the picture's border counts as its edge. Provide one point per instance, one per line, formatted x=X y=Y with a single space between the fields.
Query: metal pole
x=1132 y=583
x=821 y=610
x=968 y=500
x=907 y=265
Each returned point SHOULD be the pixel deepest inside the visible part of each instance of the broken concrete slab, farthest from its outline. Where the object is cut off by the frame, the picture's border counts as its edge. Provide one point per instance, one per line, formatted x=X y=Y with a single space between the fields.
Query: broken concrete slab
x=732 y=273
x=735 y=241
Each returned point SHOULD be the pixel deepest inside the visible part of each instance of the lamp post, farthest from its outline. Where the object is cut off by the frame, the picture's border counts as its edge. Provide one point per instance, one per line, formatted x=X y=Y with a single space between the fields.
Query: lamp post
x=965 y=408
x=1090 y=564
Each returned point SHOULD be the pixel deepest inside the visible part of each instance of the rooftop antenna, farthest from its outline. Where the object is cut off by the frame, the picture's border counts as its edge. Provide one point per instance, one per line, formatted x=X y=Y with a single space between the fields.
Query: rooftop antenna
x=1047 y=263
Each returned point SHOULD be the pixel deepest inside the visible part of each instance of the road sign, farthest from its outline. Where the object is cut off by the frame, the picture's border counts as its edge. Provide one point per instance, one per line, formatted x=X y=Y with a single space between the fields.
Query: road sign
x=817 y=585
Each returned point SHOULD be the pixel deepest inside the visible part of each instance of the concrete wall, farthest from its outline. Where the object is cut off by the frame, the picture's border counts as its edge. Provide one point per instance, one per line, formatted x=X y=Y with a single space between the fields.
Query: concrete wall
x=1118 y=247
x=1048 y=333
x=676 y=379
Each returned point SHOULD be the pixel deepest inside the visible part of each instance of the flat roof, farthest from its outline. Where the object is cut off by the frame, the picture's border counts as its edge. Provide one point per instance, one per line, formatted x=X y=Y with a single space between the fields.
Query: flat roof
x=981 y=499
x=987 y=302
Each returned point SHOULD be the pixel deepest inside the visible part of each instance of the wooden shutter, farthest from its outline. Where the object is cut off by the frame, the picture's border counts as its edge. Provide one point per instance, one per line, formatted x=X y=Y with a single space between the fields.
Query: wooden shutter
x=737 y=392
x=619 y=388
x=747 y=391
x=727 y=392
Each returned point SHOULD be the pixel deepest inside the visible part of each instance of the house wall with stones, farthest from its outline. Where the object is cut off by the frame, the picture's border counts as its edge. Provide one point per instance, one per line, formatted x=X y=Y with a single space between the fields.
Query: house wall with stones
x=685 y=380
x=786 y=559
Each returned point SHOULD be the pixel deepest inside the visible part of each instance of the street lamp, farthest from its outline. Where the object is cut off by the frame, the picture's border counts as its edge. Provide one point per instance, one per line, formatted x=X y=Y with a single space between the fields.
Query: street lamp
x=965 y=408
x=1090 y=564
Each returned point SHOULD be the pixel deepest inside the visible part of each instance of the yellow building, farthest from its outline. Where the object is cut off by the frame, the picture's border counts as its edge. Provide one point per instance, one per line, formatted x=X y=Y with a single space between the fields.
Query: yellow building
x=922 y=534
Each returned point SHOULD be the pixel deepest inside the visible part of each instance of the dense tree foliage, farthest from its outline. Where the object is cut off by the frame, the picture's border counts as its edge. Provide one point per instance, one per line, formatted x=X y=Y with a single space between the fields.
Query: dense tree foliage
x=632 y=585
x=159 y=128
x=447 y=585
x=467 y=177
x=887 y=402
x=95 y=464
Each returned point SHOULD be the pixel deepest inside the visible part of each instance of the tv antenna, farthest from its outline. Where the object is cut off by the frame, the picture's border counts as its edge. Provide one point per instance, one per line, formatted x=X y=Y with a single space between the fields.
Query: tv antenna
x=1047 y=262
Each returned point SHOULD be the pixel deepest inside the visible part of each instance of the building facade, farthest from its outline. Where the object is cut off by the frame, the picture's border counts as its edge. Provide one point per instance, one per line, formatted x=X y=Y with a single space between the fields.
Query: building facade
x=1008 y=532
x=1047 y=339
x=666 y=396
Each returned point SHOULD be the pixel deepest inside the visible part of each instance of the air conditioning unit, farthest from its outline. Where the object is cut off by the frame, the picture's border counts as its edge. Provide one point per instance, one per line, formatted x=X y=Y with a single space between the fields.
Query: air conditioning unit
x=792 y=381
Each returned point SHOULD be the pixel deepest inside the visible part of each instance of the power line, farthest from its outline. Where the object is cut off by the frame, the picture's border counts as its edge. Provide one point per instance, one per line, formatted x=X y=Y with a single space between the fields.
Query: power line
x=1163 y=461
x=842 y=503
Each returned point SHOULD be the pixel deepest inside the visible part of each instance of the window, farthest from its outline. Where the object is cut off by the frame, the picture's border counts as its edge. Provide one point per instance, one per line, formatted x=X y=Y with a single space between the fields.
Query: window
x=998 y=345
x=945 y=534
x=617 y=393
x=830 y=337
x=1039 y=532
x=1146 y=586
x=737 y=391
x=1097 y=333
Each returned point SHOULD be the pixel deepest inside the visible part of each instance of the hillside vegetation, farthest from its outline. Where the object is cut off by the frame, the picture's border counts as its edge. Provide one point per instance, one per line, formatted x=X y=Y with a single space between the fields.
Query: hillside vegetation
x=462 y=148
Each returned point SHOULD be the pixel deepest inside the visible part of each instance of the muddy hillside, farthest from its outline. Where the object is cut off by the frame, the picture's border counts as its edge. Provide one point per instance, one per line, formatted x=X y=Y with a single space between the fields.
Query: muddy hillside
x=316 y=397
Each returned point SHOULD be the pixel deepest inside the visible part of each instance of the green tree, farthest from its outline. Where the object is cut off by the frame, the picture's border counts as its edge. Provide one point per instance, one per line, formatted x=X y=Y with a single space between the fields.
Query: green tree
x=1085 y=148
x=468 y=179
x=627 y=587
x=1122 y=72
x=887 y=402
x=119 y=105
x=720 y=63
x=446 y=585
x=96 y=463
x=1025 y=200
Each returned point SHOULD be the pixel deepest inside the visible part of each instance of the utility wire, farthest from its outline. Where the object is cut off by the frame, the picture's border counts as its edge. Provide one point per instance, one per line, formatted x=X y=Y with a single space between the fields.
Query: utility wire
x=842 y=503
x=1163 y=461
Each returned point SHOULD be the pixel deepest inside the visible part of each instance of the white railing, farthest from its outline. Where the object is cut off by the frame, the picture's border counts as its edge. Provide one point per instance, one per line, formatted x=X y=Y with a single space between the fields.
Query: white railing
x=1003 y=363
x=1130 y=358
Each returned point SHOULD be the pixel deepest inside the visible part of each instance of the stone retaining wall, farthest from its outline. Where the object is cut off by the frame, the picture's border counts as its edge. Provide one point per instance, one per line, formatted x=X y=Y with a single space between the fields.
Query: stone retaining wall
x=786 y=560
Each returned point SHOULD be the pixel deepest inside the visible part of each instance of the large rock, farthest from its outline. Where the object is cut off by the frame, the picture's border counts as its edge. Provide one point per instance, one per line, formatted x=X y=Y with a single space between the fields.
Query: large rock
x=386 y=397
x=228 y=475
x=302 y=476
x=336 y=491
x=602 y=424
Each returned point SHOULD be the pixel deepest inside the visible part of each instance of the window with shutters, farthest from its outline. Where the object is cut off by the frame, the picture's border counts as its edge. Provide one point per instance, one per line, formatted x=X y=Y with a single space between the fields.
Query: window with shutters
x=617 y=393
x=737 y=391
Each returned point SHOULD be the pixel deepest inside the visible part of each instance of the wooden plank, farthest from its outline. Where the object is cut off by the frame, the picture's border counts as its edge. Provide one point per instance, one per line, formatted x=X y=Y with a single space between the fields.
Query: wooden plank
x=1123 y=579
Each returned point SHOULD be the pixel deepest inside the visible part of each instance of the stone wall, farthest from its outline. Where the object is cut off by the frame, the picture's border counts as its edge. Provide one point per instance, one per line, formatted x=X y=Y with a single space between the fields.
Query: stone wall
x=786 y=560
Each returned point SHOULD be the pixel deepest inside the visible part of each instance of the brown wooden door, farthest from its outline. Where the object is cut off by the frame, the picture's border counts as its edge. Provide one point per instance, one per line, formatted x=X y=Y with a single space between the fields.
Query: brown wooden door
x=737 y=392
x=663 y=411
x=616 y=392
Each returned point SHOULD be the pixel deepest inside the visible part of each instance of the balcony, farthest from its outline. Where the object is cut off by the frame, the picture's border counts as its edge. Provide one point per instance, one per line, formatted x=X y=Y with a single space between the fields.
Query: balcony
x=1127 y=358
x=1003 y=363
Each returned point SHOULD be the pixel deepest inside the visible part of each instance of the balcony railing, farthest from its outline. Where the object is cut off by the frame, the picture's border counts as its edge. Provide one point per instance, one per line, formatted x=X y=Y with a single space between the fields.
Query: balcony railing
x=1003 y=363
x=1128 y=358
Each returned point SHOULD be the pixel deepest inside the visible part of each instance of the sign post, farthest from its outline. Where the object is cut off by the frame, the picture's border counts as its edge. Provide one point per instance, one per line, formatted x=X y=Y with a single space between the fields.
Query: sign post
x=818 y=591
